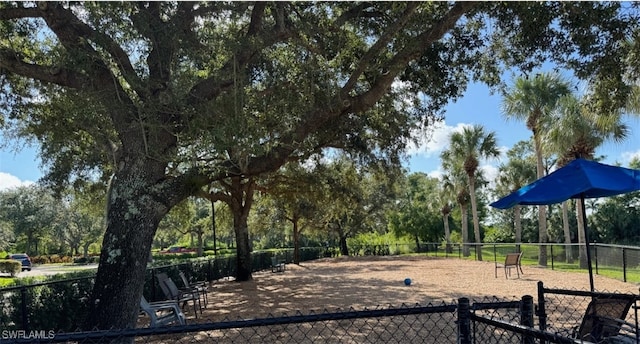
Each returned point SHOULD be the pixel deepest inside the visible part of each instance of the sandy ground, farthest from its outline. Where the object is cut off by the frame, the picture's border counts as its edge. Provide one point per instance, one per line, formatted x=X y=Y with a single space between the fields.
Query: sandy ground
x=370 y=282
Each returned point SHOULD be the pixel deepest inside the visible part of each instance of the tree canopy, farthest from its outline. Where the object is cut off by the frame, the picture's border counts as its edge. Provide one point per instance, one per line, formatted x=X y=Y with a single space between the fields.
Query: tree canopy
x=162 y=99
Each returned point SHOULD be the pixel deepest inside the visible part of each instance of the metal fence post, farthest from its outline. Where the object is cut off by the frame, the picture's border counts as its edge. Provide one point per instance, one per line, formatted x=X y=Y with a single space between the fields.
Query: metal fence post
x=526 y=317
x=464 y=321
x=540 y=311
x=209 y=273
x=495 y=254
x=624 y=265
x=595 y=254
x=25 y=315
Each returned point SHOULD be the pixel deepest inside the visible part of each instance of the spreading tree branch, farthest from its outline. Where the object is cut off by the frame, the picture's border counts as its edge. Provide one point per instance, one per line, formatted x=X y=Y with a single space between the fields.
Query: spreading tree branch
x=75 y=35
x=255 y=40
x=380 y=45
x=10 y=60
x=399 y=62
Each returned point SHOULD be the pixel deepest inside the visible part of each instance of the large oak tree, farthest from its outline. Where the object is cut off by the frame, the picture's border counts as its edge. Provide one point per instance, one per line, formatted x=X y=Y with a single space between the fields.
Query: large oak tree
x=163 y=99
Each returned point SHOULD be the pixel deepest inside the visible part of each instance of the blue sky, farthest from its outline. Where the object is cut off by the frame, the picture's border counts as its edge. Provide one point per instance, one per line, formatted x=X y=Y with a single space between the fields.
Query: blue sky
x=477 y=106
x=19 y=168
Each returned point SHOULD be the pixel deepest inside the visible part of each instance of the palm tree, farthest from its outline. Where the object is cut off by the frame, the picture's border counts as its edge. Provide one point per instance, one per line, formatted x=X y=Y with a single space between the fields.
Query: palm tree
x=468 y=147
x=577 y=133
x=514 y=175
x=455 y=182
x=444 y=200
x=532 y=101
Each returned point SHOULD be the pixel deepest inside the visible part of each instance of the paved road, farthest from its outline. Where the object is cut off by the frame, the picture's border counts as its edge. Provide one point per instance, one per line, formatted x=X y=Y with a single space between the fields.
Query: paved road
x=54 y=269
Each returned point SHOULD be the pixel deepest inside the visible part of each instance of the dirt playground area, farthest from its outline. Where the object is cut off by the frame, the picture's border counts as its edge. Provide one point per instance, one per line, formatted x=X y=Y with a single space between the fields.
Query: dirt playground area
x=335 y=284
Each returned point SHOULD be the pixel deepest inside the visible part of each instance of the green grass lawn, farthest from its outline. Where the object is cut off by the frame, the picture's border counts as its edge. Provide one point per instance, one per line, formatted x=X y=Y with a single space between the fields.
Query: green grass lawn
x=63 y=268
x=530 y=257
x=6 y=281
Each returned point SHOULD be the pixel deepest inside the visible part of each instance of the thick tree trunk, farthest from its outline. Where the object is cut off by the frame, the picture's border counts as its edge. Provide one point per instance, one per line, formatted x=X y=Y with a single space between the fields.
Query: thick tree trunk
x=133 y=215
x=200 y=235
x=213 y=227
x=27 y=248
x=474 y=214
x=243 y=248
x=241 y=200
x=344 y=250
x=296 y=243
x=75 y=250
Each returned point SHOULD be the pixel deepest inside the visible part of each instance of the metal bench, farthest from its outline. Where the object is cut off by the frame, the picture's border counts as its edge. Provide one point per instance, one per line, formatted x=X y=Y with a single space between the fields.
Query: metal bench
x=277 y=265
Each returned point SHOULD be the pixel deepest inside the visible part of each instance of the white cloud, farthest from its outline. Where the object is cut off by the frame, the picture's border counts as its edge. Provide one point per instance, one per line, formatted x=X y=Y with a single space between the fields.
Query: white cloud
x=8 y=181
x=436 y=174
x=503 y=152
x=434 y=139
x=490 y=174
x=628 y=156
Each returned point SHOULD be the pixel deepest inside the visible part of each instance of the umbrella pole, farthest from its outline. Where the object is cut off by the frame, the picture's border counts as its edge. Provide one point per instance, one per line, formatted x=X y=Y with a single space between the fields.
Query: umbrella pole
x=586 y=241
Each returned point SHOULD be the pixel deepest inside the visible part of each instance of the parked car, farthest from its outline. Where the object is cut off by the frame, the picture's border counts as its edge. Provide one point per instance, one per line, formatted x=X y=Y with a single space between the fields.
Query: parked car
x=178 y=249
x=24 y=259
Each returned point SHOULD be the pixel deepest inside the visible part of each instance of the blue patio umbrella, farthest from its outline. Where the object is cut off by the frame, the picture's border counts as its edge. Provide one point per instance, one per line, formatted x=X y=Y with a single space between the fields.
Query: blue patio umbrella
x=579 y=179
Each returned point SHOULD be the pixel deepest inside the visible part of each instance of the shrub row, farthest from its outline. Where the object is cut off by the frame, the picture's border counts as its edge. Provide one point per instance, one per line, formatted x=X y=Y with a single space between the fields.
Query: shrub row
x=51 y=259
x=61 y=301
x=10 y=266
x=189 y=255
x=57 y=259
x=86 y=260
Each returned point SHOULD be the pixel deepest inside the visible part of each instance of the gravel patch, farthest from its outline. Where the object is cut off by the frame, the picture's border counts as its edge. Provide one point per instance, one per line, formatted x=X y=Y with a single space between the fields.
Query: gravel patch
x=370 y=282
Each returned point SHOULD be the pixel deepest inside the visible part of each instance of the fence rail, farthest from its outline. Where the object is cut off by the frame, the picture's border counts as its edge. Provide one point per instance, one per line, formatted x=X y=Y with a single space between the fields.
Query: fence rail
x=63 y=304
x=493 y=321
x=490 y=320
x=616 y=261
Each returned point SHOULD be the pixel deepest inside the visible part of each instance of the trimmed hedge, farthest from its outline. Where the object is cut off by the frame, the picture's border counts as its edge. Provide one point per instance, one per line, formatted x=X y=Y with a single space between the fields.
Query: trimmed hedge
x=10 y=266
x=61 y=302
x=86 y=260
x=51 y=259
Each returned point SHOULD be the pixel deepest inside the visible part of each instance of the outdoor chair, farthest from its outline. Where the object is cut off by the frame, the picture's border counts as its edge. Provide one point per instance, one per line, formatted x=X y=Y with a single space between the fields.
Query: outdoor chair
x=172 y=292
x=604 y=318
x=277 y=265
x=162 y=312
x=511 y=261
x=201 y=286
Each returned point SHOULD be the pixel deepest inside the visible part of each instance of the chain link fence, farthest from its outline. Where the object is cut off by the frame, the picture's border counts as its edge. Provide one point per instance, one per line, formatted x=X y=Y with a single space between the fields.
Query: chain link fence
x=553 y=319
x=615 y=261
x=556 y=317
x=63 y=304
x=490 y=320
x=589 y=316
